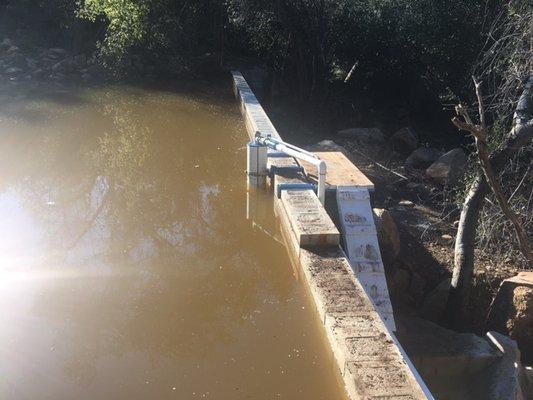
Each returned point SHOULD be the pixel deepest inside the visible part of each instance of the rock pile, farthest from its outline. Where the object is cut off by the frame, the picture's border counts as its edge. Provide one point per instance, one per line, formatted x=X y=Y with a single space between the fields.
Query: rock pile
x=54 y=64
x=404 y=141
x=422 y=157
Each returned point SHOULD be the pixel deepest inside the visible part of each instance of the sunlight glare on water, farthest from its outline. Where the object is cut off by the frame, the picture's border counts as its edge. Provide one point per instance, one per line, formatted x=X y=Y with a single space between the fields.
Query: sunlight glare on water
x=127 y=267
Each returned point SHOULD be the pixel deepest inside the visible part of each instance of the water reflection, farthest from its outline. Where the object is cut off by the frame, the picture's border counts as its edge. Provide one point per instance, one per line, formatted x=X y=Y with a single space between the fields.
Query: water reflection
x=127 y=267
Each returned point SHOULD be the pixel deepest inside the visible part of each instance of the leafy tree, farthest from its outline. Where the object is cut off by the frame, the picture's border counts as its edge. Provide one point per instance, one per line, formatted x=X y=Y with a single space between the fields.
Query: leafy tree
x=396 y=45
x=154 y=28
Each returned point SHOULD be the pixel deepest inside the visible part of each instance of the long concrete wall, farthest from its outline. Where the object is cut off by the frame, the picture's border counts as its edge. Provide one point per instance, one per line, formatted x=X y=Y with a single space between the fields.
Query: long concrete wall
x=370 y=359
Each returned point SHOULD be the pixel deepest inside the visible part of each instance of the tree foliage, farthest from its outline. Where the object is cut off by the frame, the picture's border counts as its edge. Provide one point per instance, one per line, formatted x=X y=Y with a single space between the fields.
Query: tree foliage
x=152 y=27
x=399 y=46
x=395 y=44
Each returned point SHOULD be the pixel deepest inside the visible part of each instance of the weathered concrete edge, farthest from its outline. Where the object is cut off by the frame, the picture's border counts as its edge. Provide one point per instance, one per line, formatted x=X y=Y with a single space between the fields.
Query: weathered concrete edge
x=394 y=363
x=339 y=300
x=255 y=117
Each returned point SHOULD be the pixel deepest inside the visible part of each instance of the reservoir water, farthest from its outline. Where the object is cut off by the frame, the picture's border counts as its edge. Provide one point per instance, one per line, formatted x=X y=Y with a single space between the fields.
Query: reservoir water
x=128 y=269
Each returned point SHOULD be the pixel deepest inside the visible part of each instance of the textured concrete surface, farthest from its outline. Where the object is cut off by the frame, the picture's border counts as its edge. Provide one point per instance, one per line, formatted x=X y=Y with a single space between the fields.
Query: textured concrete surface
x=372 y=365
x=308 y=219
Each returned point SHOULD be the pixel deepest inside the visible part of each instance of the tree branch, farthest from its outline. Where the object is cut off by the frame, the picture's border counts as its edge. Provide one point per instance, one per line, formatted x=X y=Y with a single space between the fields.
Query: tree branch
x=480 y=134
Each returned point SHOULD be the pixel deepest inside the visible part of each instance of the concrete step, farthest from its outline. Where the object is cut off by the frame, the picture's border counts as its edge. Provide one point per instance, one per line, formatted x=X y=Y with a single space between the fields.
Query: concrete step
x=341 y=171
x=308 y=219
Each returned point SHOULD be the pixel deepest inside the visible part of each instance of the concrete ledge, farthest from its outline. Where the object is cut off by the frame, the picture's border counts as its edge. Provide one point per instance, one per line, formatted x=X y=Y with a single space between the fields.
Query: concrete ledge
x=254 y=116
x=358 y=336
x=309 y=221
x=362 y=246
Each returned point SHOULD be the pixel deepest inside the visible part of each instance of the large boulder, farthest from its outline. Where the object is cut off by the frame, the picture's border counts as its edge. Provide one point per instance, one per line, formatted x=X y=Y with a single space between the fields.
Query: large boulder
x=404 y=141
x=462 y=365
x=449 y=168
x=437 y=350
x=423 y=157
x=503 y=380
x=388 y=235
x=363 y=135
x=511 y=312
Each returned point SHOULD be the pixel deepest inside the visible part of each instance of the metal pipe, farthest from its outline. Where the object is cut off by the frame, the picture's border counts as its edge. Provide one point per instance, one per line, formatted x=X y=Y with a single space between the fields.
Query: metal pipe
x=300 y=154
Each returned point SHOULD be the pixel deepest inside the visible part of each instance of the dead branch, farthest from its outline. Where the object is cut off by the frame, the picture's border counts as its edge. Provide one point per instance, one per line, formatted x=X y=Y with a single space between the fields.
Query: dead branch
x=352 y=70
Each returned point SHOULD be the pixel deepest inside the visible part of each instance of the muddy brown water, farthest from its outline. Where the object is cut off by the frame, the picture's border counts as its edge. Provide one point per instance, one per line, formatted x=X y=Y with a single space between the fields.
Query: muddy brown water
x=128 y=269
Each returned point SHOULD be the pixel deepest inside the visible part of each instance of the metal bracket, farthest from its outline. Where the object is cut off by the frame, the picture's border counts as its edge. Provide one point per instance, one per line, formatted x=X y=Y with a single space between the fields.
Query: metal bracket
x=294 y=186
x=277 y=154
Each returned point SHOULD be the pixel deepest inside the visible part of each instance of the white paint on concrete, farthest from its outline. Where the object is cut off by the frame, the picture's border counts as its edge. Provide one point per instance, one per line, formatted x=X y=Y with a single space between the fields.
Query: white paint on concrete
x=361 y=244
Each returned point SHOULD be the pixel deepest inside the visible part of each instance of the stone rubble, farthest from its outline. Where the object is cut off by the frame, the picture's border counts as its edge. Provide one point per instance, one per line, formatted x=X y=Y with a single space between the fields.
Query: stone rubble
x=44 y=64
x=449 y=168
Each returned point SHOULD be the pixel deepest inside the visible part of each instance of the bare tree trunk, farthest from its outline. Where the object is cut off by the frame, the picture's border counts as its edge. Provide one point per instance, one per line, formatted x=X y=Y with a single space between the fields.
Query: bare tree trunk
x=464 y=252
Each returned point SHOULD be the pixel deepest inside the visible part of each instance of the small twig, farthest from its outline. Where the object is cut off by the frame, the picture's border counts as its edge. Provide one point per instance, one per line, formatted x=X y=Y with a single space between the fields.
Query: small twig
x=349 y=76
x=521 y=181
